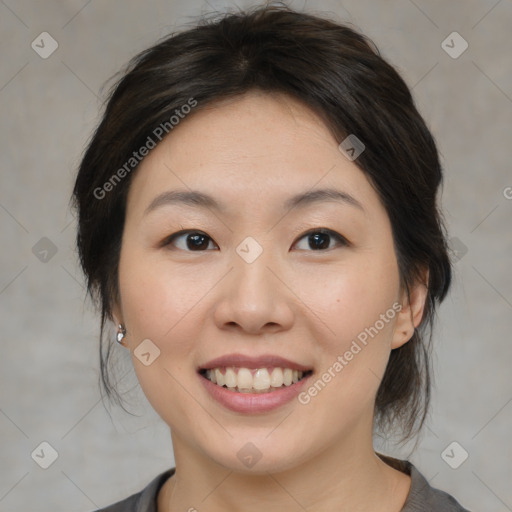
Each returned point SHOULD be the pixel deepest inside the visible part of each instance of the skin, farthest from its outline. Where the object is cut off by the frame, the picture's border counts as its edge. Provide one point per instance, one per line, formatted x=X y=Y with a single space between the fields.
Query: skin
x=251 y=153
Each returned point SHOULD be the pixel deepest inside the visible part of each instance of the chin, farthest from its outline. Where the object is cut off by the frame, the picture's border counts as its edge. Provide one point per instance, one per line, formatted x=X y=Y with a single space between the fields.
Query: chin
x=258 y=458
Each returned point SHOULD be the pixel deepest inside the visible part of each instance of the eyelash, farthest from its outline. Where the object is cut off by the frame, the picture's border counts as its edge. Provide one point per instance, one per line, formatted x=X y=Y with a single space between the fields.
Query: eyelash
x=341 y=239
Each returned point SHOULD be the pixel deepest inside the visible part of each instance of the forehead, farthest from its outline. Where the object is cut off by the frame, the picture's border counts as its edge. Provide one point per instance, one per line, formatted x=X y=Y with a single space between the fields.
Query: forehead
x=254 y=150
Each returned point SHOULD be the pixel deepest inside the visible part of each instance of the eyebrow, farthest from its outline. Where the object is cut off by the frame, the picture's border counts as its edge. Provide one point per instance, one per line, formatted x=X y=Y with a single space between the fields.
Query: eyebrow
x=201 y=200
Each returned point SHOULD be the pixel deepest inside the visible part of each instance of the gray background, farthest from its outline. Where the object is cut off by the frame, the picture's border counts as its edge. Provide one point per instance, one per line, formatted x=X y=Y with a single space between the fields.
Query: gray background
x=48 y=335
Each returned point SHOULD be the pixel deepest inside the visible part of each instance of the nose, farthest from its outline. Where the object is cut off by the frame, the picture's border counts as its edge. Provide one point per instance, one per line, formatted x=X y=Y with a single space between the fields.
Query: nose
x=255 y=296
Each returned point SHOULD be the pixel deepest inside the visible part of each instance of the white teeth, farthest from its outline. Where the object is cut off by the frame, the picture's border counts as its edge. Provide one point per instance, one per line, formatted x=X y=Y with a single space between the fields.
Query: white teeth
x=276 y=379
x=230 y=378
x=261 y=379
x=219 y=377
x=245 y=380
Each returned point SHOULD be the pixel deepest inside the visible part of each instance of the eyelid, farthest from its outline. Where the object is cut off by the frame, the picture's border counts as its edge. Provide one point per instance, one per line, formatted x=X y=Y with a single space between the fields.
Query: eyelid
x=169 y=239
x=334 y=234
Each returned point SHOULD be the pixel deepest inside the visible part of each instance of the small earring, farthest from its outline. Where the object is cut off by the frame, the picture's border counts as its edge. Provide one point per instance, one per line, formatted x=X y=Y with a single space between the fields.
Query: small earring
x=121 y=334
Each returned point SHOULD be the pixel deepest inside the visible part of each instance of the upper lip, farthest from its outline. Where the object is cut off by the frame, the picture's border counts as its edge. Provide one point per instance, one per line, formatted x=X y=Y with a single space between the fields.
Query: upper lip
x=244 y=361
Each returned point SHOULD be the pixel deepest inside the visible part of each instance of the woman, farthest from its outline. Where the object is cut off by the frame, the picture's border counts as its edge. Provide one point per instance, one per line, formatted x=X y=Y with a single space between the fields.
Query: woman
x=257 y=214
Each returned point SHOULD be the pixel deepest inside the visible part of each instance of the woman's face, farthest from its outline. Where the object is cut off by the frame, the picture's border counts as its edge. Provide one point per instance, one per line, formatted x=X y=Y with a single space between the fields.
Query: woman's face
x=248 y=280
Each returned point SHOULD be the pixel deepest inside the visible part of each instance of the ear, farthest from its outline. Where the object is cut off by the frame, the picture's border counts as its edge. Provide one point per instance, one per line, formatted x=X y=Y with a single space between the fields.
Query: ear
x=412 y=310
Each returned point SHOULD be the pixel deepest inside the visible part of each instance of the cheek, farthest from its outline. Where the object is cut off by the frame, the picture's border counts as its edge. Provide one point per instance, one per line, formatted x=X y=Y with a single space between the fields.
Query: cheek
x=352 y=297
x=157 y=304
x=356 y=305
x=157 y=298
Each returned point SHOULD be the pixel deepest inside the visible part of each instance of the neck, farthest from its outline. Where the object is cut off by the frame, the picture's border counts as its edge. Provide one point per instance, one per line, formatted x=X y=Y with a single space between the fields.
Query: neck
x=344 y=478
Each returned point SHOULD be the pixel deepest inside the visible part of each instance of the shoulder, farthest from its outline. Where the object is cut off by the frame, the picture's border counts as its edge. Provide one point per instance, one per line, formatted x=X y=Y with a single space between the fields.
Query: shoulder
x=127 y=505
x=422 y=496
x=142 y=501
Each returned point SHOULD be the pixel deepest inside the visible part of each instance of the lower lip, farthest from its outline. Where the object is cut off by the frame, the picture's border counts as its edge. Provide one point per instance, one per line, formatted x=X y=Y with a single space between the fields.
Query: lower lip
x=253 y=402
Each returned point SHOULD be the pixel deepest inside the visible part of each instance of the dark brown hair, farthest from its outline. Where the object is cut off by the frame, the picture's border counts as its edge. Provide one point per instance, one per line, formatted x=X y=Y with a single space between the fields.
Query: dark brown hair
x=339 y=74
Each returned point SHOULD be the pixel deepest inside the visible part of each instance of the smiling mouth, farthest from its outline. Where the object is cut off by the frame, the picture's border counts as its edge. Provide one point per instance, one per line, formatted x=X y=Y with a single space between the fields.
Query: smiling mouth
x=260 y=380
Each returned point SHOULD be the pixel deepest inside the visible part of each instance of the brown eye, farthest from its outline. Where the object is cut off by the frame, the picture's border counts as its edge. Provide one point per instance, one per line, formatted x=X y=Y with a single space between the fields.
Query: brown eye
x=319 y=239
x=197 y=241
x=193 y=240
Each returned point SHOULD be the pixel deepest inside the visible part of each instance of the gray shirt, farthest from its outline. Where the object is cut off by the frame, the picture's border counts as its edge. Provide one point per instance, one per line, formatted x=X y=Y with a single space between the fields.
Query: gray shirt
x=421 y=498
